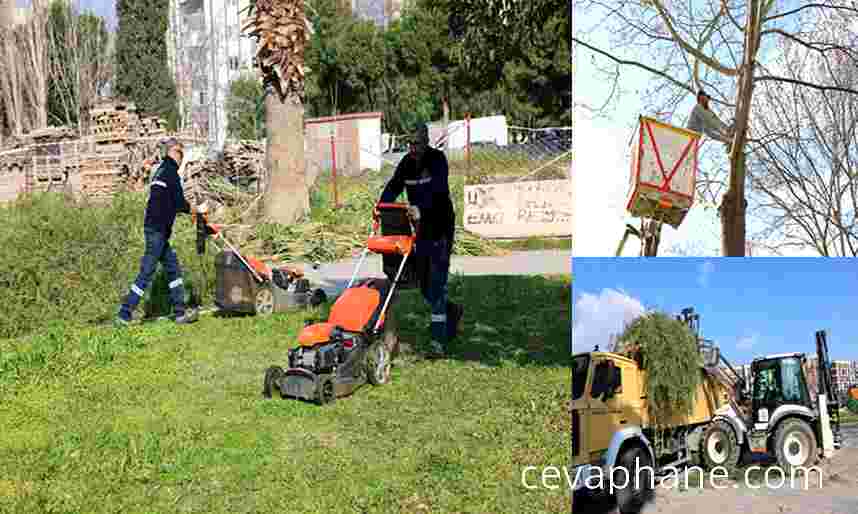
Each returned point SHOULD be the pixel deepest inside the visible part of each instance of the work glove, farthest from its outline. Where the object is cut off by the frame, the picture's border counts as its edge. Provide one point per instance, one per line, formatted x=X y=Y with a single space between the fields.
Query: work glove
x=414 y=212
x=203 y=208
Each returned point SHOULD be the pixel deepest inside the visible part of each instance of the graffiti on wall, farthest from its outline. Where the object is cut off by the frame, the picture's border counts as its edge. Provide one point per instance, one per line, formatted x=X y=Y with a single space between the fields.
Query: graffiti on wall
x=519 y=209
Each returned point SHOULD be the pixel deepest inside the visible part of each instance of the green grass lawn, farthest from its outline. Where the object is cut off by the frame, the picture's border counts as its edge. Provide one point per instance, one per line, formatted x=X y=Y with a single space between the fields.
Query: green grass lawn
x=162 y=418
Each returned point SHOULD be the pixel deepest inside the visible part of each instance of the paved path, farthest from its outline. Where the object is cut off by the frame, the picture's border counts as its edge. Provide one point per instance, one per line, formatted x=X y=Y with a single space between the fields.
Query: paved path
x=334 y=277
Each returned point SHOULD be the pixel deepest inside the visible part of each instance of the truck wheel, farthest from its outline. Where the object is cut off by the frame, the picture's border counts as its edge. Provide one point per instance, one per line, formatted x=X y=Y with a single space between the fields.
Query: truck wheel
x=795 y=445
x=718 y=446
x=639 y=490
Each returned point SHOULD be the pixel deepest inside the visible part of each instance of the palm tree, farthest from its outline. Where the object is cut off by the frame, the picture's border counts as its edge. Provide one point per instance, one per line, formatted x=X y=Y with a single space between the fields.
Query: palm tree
x=282 y=31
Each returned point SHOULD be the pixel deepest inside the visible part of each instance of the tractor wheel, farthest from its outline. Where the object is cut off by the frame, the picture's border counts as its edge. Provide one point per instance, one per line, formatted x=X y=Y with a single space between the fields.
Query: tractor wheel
x=272 y=377
x=718 y=447
x=639 y=490
x=264 y=301
x=326 y=393
x=795 y=445
x=378 y=363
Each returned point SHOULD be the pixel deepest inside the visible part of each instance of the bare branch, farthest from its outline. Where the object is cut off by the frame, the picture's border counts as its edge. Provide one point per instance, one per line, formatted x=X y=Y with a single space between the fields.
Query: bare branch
x=797 y=82
x=623 y=62
x=709 y=61
x=810 y=6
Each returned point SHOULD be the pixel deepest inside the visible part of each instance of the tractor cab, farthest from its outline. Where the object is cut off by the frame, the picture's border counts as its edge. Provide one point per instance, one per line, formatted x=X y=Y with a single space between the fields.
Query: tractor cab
x=778 y=380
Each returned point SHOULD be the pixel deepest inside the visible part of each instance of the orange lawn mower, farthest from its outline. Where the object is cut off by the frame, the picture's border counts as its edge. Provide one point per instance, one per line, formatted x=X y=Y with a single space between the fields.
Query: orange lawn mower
x=357 y=343
x=245 y=285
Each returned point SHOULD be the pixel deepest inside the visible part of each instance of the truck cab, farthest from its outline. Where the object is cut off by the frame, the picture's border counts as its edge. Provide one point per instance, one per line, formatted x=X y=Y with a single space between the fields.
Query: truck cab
x=611 y=428
x=607 y=416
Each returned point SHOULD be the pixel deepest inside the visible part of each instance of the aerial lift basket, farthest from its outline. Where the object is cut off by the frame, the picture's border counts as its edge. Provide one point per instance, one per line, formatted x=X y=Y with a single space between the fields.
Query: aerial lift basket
x=663 y=171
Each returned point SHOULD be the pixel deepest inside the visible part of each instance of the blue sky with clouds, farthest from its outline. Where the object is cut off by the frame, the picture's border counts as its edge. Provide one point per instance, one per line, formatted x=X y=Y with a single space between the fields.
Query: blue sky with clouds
x=750 y=306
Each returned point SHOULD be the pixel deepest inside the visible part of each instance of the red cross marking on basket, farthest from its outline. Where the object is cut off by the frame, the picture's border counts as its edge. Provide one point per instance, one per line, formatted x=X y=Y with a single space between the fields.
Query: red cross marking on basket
x=665 y=185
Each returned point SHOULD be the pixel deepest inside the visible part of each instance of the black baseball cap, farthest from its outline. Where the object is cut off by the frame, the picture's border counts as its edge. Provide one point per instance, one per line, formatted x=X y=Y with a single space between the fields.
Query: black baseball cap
x=703 y=93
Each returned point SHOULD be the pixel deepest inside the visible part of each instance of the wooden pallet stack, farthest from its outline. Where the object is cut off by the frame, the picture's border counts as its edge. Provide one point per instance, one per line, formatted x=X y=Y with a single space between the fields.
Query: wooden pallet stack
x=111 y=125
x=151 y=127
x=103 y=175
x=55 y=162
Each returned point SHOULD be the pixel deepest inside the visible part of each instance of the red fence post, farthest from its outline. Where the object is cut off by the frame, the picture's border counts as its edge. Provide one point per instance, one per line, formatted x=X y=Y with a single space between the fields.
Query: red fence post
x=334 y=170
x=468 y=140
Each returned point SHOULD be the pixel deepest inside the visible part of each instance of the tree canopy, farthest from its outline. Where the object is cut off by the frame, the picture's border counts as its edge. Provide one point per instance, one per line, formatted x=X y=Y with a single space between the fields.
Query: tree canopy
x=407 y=70
x=142 y=73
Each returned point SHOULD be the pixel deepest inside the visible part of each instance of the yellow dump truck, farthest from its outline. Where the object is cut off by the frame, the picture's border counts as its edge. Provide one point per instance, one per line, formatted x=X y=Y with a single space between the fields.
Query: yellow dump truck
x=611 y=425
x=611 y=429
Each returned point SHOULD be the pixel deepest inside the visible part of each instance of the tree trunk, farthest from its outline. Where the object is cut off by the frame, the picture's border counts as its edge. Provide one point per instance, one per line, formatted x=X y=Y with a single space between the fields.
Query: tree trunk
x=733 y=204
x=732 y=211
x=287 y=196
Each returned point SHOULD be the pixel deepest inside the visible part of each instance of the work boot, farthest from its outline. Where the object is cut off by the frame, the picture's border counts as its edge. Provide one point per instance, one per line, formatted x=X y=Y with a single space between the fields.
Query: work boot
x=187 y=317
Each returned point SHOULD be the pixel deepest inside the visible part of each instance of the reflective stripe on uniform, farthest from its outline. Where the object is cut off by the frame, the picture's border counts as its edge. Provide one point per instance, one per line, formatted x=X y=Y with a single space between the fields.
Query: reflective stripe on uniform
x=419 y=181
x=439 y=318
x=176 y=283
x=159 y=183
x=136 y=290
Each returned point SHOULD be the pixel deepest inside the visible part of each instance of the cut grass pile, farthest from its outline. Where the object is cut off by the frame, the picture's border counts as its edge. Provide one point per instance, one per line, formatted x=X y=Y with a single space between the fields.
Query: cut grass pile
x=164 y=418
x=667 y=350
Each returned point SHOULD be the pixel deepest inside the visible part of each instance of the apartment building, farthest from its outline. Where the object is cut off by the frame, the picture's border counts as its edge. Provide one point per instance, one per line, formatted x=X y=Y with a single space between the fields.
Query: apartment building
x=207 y=51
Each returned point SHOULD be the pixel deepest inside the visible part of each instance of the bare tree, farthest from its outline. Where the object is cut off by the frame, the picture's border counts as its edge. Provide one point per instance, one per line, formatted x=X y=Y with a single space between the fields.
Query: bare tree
x=721 y=46
x=34 y=47
x=806 y=172
x=23 y=72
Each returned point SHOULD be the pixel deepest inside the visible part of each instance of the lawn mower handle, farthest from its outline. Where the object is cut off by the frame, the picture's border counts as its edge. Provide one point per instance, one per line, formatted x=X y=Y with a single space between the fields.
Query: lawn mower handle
x=204 y=230
x=393 y=206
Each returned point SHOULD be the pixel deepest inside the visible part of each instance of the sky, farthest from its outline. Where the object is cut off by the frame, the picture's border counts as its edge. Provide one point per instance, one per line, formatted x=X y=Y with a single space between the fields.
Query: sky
x=103 y=8
x=750 y=307
x=602 y=164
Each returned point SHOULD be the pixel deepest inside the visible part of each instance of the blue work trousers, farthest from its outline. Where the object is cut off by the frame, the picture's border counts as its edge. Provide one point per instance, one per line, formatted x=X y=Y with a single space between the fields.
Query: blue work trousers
x=158 y=249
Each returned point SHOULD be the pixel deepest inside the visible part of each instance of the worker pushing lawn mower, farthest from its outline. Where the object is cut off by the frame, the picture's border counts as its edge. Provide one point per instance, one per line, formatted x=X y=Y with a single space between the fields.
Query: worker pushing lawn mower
x=424 y=174
x=166 y=200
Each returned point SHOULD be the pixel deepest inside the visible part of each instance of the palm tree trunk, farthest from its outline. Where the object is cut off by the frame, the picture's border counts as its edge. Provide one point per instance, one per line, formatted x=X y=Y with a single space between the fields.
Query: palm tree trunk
x=287 y=197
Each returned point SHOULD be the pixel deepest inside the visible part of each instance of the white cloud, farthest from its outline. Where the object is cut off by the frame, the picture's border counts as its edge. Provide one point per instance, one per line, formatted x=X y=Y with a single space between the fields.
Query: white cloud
x=747 y=342
x=704 y=271
x=597 y=316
